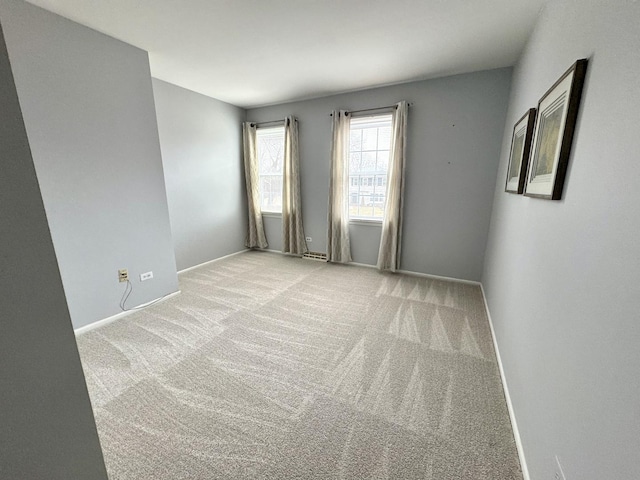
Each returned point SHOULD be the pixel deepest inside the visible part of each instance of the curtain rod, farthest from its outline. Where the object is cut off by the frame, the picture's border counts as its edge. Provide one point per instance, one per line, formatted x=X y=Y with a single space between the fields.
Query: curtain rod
x=373 y=109
x=270 y=122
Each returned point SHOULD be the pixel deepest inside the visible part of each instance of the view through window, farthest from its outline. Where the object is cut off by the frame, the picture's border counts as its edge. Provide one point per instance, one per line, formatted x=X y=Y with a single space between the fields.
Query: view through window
x=369 y=146
x=270 y=150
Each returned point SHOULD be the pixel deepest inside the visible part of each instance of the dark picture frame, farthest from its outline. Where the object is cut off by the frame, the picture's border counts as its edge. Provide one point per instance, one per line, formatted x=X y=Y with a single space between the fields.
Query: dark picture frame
x=553 y=137
x=519 y=154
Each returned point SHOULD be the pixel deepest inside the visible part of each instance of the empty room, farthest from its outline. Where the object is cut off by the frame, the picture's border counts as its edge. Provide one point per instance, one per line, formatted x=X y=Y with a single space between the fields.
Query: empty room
x=319 y=239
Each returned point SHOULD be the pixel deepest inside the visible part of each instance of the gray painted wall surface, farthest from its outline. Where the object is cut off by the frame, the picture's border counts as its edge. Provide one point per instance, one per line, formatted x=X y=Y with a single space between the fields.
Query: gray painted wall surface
x=201 y=143
x=561 y=277
x=88 y=107
x=454 y=133
x=47 y=428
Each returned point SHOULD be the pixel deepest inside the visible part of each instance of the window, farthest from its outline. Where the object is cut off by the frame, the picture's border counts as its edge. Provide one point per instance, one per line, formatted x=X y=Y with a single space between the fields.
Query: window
x=369 y=146
x=270 y=151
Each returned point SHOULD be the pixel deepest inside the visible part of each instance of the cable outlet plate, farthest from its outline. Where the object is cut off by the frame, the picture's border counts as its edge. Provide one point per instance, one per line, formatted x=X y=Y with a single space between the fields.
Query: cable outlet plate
x=123 y=275
x=146 y=276
x=558 y=473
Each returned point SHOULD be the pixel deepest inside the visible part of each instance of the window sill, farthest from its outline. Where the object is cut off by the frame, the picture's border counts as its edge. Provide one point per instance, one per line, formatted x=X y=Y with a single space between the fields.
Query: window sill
x=369 y=223
x=271 y=214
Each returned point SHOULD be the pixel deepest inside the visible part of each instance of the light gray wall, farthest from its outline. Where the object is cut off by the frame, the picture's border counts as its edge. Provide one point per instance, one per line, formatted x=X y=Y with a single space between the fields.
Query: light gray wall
x=201 y=142
x=561 y=277
x=454 y=133
x=89 y=113
x=47 y=428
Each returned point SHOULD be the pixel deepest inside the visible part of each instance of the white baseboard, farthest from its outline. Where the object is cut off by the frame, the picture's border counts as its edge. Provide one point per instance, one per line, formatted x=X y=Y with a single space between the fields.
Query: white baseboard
x=423 y=275
x=439 y=277
x=356 y=264
x=113 y=318
x=278 y=251
x=405 y=272
x=512 y=415
x=212 y=261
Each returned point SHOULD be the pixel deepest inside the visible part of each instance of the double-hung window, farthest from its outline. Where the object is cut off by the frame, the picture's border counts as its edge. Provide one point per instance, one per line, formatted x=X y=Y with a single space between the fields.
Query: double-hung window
x=270 y=151
x=369 y=145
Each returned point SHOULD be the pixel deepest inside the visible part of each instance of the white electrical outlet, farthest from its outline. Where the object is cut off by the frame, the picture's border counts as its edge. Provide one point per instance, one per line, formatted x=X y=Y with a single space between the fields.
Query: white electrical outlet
x=123 y=275
x=559 y=474
x=309 y=239
x=146 y=276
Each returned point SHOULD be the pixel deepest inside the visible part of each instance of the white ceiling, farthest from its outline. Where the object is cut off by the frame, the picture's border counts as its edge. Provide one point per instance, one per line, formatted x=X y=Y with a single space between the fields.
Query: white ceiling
x=260 y=52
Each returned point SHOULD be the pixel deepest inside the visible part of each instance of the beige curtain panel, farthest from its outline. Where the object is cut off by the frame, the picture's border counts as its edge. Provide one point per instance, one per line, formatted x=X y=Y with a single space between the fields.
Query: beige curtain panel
x=391 y=238
x=255 y=237
x=293 y=240
x=338 y=245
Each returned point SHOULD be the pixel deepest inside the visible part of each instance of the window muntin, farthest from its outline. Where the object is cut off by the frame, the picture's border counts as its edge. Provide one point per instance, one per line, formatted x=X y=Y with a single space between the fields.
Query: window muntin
x=270 y=151
x=369 y=145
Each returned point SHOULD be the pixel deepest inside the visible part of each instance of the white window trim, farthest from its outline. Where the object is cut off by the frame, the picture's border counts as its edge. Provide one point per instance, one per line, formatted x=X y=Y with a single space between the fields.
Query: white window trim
x=271 y=214
x=370 y=221
x=267 y=130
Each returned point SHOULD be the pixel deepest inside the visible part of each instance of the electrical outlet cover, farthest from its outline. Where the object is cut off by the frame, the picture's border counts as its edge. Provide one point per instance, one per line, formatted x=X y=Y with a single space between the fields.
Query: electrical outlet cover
x=309 y=239
x=123 y=275
x=146 y=276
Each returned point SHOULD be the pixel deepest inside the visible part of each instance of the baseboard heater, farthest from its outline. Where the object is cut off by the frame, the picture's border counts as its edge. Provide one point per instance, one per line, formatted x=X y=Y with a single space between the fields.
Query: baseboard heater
x=318 y=256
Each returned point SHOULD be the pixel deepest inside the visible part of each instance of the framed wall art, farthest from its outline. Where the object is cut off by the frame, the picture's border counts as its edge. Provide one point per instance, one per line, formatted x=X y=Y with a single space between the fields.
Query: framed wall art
x=555 y=125
x=520 y=149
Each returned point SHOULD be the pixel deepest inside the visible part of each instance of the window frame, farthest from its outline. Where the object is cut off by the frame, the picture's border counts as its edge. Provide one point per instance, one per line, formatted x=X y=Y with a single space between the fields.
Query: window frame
x=369 y=179
x=266 y=131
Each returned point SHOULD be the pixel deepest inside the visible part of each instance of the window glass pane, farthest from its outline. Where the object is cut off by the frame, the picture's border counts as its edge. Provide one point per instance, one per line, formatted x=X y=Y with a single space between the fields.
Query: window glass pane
x=384 y=138
x=270 y=151
x=367 y=207
x=271 y=193
x=369 y=138
x=355 y=140
x=355 y=159
x=368 y=162
x=383 y=161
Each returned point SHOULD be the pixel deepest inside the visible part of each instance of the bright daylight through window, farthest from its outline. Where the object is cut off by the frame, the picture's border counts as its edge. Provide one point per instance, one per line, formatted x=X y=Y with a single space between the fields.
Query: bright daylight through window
x=369 y=146
x=270 y=150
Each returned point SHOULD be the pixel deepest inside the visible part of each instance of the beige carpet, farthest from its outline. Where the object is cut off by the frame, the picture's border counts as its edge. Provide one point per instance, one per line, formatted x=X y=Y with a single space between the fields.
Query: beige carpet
x=269 y=366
